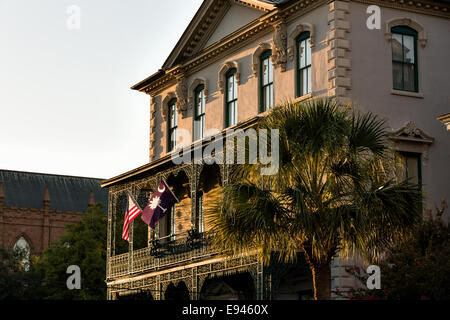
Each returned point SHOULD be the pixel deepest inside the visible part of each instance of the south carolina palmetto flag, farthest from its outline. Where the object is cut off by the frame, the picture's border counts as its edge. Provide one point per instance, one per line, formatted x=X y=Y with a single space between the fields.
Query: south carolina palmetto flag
x=132 y=212
x=158 y=205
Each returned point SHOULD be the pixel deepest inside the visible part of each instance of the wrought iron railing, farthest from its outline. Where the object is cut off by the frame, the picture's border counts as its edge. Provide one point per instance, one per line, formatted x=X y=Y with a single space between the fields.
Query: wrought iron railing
x=163 y=253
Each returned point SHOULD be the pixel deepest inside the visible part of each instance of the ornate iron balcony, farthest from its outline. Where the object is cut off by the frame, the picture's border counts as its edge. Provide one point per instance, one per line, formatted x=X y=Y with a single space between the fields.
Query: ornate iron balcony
x=163 y=253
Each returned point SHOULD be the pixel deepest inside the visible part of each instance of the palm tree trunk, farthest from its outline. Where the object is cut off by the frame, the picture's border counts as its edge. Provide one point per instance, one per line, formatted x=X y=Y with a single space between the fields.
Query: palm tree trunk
x=321 y=281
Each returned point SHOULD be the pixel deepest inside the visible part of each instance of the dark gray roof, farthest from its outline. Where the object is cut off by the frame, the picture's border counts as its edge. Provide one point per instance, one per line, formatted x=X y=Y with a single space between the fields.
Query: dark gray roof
x=67 y=193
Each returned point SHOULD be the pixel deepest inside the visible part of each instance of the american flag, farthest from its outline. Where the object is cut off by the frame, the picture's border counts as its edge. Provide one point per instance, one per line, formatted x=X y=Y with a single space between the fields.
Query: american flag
x=132 y=212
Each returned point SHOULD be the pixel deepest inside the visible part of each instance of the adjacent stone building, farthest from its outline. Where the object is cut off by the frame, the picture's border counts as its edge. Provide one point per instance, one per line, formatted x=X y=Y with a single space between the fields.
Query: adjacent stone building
x=236 y=60
x=35 y=208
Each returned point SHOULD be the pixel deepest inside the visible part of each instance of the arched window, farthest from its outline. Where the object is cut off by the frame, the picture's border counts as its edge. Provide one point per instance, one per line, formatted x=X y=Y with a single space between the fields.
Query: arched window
x=173 y=125
x=199 y=112
x=404 y=59
x=266 y=81
x=231 y=97
x=303 y=64
x=22 y=252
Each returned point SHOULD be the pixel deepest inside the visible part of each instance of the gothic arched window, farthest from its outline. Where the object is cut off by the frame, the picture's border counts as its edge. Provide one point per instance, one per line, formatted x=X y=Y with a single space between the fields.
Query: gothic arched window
x=22 y=253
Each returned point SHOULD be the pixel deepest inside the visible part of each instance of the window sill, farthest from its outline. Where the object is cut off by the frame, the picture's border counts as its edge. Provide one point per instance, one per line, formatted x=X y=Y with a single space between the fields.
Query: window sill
x=303 y=98
x=407 y=93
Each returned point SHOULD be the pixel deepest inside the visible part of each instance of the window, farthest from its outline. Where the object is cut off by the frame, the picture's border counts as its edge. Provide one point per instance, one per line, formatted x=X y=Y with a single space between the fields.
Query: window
x=303 y=64
x=266 y=81
x=231 y=97
x=412 y=167
x=173 y=125
x=404 y=59
x=200 y=224
x=22 y=252
x=199 y=112
x=167 y=225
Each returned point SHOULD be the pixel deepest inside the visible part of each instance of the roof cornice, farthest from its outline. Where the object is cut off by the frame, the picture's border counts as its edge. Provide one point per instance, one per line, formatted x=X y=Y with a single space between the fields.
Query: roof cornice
x=168 y=157
x=259 y=27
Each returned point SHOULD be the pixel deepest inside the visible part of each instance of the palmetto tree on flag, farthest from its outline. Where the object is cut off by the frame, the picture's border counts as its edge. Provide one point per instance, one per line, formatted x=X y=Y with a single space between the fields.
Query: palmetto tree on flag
x=158 y=204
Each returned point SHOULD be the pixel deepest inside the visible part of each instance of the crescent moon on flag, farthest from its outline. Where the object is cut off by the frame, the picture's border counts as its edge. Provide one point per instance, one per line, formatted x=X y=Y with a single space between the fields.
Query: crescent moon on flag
x=161 y=190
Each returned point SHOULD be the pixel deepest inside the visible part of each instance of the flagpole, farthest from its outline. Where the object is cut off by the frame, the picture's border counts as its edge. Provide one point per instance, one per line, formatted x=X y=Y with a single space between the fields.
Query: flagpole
x=134 y=200
x=170 y=190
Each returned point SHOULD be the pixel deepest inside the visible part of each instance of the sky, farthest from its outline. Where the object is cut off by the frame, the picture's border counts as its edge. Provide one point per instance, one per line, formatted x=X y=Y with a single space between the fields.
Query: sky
x=66 y=68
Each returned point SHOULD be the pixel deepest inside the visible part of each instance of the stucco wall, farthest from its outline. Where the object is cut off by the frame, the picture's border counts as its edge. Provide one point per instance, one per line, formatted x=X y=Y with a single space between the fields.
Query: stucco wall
x=372 y=84
x=248 y=96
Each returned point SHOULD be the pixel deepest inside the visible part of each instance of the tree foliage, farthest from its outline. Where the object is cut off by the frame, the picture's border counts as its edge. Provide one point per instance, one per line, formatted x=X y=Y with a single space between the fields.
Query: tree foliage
x=336 y=190
x=418 y=269
x=16 y=283
x=83 y=245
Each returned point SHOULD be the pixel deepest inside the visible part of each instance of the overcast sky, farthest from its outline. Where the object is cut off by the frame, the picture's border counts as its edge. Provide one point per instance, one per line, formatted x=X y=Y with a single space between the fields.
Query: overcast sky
x=65 y=101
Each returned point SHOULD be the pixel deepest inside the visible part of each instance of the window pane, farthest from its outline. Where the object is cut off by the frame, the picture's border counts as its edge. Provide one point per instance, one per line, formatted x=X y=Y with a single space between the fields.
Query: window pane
x=304 y=81
x=172 y=117
x=408 y=76
x=302 y=54
x=199 y=103
x=202 y=126
x=309 y=80
x=265 y=72
x=412 y=168
x=308 y=52
x=397 y=75
x=230 y=95
x=235 y=114
x=266 y=97
x=196 y=130
x=269 y=97
x=270 y=67
x=199 y=128
x=408 y=47
x=173 y=139
x=235 y=92
x=397 y=53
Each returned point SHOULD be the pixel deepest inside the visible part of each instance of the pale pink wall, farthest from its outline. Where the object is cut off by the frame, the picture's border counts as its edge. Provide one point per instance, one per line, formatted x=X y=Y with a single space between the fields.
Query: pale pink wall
x=372 y=84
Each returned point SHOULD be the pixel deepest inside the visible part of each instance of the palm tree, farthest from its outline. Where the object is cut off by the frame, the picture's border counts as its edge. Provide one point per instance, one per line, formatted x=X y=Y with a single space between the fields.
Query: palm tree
x=336 y=192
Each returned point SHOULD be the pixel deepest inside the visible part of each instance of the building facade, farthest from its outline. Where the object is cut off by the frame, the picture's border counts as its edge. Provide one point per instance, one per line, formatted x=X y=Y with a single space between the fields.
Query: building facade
x=236 y=60
x=35 y=208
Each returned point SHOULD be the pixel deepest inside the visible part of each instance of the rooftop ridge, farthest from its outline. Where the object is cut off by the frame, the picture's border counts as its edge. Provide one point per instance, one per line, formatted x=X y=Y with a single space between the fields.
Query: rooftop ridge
x=50 y=174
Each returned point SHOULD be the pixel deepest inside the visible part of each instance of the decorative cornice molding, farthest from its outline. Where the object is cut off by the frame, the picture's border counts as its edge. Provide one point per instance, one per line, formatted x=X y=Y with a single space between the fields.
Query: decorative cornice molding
x=440 y=9
x=280 y=44
x=255 y=5
x=411 y=133
x=195 y=83
x=412 y=139
x=265 y=24
x=406 y=22
x=257 y=53
x=223 y=71
x=445 y=119
x=181 y=93
x=299 y=29
x=165 y=104
x=195 y=32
